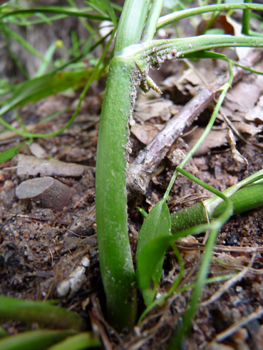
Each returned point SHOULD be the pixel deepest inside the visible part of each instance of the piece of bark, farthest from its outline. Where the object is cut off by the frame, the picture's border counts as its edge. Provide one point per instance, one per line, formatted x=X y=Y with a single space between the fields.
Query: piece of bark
x=32 y=166
x=140 y=171
x=45 y=192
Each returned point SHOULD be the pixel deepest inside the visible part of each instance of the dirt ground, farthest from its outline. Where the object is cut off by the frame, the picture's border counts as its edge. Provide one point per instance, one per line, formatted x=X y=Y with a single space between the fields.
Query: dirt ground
x=44 y=238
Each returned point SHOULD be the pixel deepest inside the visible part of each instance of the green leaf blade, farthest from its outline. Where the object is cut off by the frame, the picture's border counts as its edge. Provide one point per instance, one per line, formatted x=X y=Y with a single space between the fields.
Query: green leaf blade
x=44 y=86
x=80 y=341
x=10 y=153
x=33 y=340
x=157 y=224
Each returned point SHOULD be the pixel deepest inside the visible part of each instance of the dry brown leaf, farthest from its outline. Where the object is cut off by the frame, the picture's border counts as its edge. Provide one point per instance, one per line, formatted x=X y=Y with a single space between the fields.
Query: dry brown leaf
x=215 y=138
x=256 y=113
x=235 y=154
x=241 y=52
x=246 y=128
x=230 y=260
x=189 y=256
x=177 y=152
x=37 y=150
x=189 y=82
x=221 y=22
x=50 y=105
x=157 y=108
x=145 y=133
x=243 y=97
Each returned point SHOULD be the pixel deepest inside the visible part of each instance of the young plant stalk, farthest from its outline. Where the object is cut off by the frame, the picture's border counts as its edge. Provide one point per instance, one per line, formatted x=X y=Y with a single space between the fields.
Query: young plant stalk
x=244 y=199
x=43 y=313
x=111 y=199
x=116 y=264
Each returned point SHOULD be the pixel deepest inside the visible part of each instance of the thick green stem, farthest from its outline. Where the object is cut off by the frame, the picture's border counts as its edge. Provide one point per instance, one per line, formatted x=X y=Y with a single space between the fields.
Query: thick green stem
x=247 y=198
x=154 y=14
x=33 y=340
x=77 y=342
x=246 y=20
x=111 y=198
x=131 y=23
x=43 y=313
x=175 y=16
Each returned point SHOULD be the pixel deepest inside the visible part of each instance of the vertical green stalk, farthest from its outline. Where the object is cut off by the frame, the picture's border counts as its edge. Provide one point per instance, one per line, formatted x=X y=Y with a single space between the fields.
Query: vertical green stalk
x=246 y=20
x=111 y=199
x=152 y=20
x=132 y=22
x=116 y=264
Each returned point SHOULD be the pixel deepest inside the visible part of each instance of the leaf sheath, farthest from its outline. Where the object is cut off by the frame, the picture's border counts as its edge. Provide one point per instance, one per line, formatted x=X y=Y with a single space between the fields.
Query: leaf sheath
x=111 y=198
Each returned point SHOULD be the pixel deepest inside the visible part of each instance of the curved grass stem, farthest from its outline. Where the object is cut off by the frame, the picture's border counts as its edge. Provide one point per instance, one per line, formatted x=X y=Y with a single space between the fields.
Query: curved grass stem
x=43 y=313
x=175 y=16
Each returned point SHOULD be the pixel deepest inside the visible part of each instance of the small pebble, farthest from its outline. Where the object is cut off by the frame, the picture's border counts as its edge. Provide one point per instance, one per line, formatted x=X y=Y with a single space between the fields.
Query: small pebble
x=8 y=185
x=46 y=192
x=37 y=150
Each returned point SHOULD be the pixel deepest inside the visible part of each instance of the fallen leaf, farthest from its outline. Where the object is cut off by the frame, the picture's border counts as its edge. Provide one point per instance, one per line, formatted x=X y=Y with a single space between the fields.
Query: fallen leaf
x=37 y=150
x=234 y=152
x=256 y=113
x=221 y=22
x=145 y=133
x=215 y=138
x=157 y=108
x=50 y=105
x=246 y=128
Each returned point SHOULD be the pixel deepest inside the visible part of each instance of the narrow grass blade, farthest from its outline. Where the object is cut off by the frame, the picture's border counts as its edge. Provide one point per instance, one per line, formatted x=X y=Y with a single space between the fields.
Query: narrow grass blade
x=110 y=10
x=38 y=88
x=54 y=10
x=156 y=248
x=175 y=16
x=23 y=42
x=10 y=51
x=205 y=54
x=3 y=333
x=10 y=153
x=131 y=23
x=33 y=340
x=157 y=224
x=43 y=313
x=5 y=87
x=47 y=59
x=78 y=342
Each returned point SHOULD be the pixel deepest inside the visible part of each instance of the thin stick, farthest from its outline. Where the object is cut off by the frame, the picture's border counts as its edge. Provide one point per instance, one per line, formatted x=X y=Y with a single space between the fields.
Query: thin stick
x=232 y=329
x=219 y=248
x=227 y=285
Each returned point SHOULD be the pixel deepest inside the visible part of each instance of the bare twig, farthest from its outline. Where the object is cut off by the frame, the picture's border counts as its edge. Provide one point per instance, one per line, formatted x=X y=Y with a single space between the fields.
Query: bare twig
x=232 y=329
x=227 y=285
x=142 y=168
x=219 y=248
